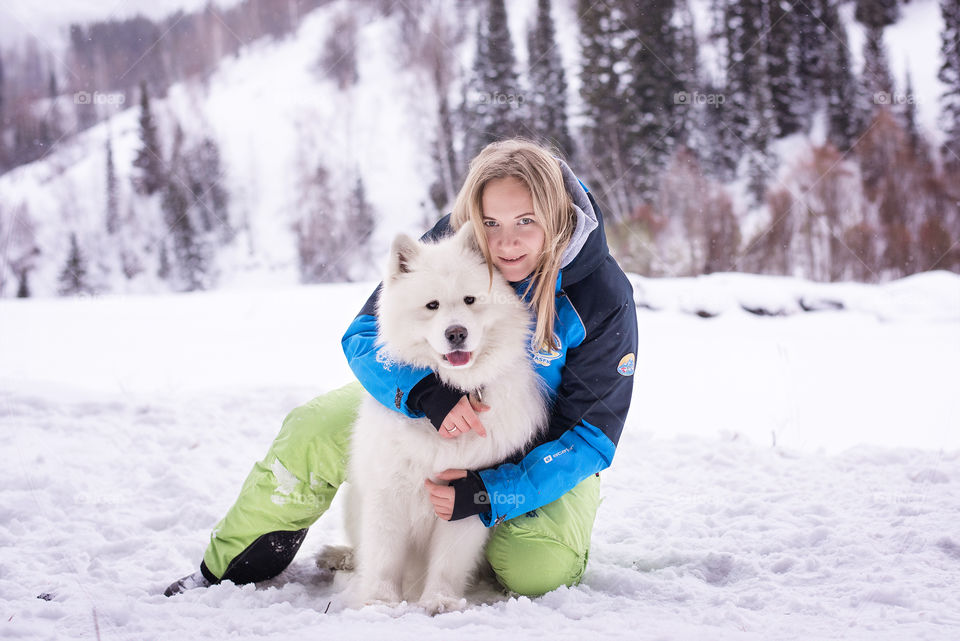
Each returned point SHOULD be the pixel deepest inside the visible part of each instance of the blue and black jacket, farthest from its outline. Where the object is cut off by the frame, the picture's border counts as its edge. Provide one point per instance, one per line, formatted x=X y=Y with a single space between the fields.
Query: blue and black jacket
x=590 y=376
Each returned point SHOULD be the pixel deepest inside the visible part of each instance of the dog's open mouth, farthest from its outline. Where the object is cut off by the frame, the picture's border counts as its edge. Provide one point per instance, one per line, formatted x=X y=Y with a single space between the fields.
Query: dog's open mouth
x=457 y=358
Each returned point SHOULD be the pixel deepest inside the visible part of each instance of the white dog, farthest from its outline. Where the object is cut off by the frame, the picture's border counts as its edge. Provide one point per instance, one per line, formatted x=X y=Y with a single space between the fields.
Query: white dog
x=437 y=309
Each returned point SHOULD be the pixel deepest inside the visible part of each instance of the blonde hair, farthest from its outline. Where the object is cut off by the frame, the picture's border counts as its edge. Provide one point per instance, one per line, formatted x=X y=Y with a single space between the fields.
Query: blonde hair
x=539 y=170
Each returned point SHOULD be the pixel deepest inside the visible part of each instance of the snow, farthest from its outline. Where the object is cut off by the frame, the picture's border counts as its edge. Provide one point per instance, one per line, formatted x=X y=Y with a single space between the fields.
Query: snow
x=788 y=477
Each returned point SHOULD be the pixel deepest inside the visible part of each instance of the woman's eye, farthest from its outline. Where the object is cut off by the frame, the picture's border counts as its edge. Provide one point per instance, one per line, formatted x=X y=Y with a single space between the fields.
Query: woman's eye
x=469 y=300
x=526 y=221
x=433 y=304
x=489 y=223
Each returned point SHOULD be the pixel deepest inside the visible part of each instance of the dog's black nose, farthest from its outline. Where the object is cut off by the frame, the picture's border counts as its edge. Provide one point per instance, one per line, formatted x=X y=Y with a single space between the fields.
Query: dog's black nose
x=456 y=335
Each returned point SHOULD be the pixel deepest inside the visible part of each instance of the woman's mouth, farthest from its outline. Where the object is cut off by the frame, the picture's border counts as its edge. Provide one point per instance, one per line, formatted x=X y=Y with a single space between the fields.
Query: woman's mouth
x=510 y=261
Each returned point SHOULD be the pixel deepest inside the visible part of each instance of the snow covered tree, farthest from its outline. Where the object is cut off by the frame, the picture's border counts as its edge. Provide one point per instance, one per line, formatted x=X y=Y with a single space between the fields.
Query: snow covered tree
x=163 y=262
x=339 y=58
x=202 y=171
x=113 y=205
x=751 y=112
x=191 y=250
x=789 y=100
x=3 y=119
x=649 y=126
x=877 y=82
x=18 y=247
x=686 y=67
x=322 y=234
x=600 y=87
x=190 y=255
x=495 y=110
x=839 y=81
x=361 y=221
x=877 y=13
x=73 y=276
x=150 y=176
x=548 y=84
x=949 y=75
x=909 y=118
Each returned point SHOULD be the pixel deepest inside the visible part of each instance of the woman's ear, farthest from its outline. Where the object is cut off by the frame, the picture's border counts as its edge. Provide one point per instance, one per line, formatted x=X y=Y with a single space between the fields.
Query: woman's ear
x=402 y=252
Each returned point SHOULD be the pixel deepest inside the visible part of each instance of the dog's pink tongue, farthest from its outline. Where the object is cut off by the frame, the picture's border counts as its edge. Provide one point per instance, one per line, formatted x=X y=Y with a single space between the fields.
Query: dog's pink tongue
x=458 y=358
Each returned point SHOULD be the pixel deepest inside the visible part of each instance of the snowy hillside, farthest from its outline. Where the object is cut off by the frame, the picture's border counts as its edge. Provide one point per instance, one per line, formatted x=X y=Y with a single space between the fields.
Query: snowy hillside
x=277 y=118
x=790 y=477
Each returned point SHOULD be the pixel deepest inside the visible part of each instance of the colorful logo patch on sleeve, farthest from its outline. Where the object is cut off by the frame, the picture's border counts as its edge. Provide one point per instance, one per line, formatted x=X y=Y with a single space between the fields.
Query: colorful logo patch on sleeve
x=627 y=364
x=545 y=355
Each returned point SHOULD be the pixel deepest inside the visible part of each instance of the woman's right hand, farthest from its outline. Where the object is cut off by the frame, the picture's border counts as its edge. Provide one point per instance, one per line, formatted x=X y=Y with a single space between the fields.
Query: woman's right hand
x=463 y=418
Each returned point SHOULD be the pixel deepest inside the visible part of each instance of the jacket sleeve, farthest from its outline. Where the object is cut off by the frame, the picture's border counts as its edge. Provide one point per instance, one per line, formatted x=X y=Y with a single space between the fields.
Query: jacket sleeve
x=587 y=418
x=413 y=391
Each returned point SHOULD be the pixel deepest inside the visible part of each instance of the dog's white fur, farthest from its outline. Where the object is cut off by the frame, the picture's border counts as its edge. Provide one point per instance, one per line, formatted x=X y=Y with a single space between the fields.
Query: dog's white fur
x=399 y=542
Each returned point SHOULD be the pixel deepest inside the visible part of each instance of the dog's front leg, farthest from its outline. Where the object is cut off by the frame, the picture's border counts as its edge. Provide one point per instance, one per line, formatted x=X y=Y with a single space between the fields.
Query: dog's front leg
x=453 y=554
x=380 y=556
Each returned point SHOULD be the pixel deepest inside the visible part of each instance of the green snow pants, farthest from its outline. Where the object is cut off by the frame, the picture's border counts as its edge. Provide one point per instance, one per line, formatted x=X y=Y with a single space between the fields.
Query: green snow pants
x=293 y=485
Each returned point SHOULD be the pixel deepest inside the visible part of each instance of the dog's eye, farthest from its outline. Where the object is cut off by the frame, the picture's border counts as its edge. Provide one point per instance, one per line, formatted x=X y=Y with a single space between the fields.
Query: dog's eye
x=433 y=304
x=469 y=300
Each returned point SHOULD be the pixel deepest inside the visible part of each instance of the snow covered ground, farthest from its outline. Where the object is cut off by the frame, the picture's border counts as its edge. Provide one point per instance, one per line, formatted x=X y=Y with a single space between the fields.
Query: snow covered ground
x=795 y=476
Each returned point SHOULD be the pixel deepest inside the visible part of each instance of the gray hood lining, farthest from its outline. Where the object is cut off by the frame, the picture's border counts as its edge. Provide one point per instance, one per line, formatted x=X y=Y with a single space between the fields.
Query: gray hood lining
x=586 y=216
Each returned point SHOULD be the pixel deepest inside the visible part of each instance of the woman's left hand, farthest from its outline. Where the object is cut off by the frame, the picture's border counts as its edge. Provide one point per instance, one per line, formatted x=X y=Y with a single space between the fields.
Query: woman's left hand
x=442 y=496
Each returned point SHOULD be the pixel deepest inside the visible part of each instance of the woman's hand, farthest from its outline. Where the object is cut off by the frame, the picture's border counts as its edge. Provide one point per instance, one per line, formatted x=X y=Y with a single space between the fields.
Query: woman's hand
x=463 y=418
x=442 y=496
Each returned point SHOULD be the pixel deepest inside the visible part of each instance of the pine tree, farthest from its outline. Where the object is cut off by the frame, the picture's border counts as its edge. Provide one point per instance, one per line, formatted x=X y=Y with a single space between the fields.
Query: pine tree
x=949 y=75
x=752 y=115
x=362 y=219
x=600 y=90
x=113 y=205
x=909 y=117
x=163 y=265
x=648 y=123
x=811 y=40
x=840 y=83
x=202 y=172
x=3 y=120
x=73 y=276
x=790 y=102
x=190 y=250
x=149 y=160
x=877 y=14
x=548 y=84
x=496 y=110
x=877 y=82
x=686 y=66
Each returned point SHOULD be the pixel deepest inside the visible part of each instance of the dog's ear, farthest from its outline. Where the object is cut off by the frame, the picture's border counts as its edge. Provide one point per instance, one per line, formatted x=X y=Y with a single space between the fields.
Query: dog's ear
x=402 y=252
x=467 y=237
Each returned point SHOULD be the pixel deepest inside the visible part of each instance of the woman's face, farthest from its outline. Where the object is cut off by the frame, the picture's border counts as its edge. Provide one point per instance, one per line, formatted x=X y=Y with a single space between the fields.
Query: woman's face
x=514 y=234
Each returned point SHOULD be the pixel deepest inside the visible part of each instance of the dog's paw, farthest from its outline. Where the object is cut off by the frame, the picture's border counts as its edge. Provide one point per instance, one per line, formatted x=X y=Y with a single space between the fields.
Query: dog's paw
x=336 y=558
x=439 y=604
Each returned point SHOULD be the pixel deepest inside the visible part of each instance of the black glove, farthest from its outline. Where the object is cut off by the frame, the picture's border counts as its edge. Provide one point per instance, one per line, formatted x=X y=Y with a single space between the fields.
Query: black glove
x=434 y=399
x=471 y=496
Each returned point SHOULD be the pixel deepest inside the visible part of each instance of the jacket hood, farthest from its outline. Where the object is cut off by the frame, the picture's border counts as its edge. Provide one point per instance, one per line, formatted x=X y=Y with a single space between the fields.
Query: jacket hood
x=587 y=248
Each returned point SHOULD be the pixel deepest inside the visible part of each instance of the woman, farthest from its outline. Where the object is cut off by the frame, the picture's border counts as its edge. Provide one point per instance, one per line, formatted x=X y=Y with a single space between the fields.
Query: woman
x=542 y=229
